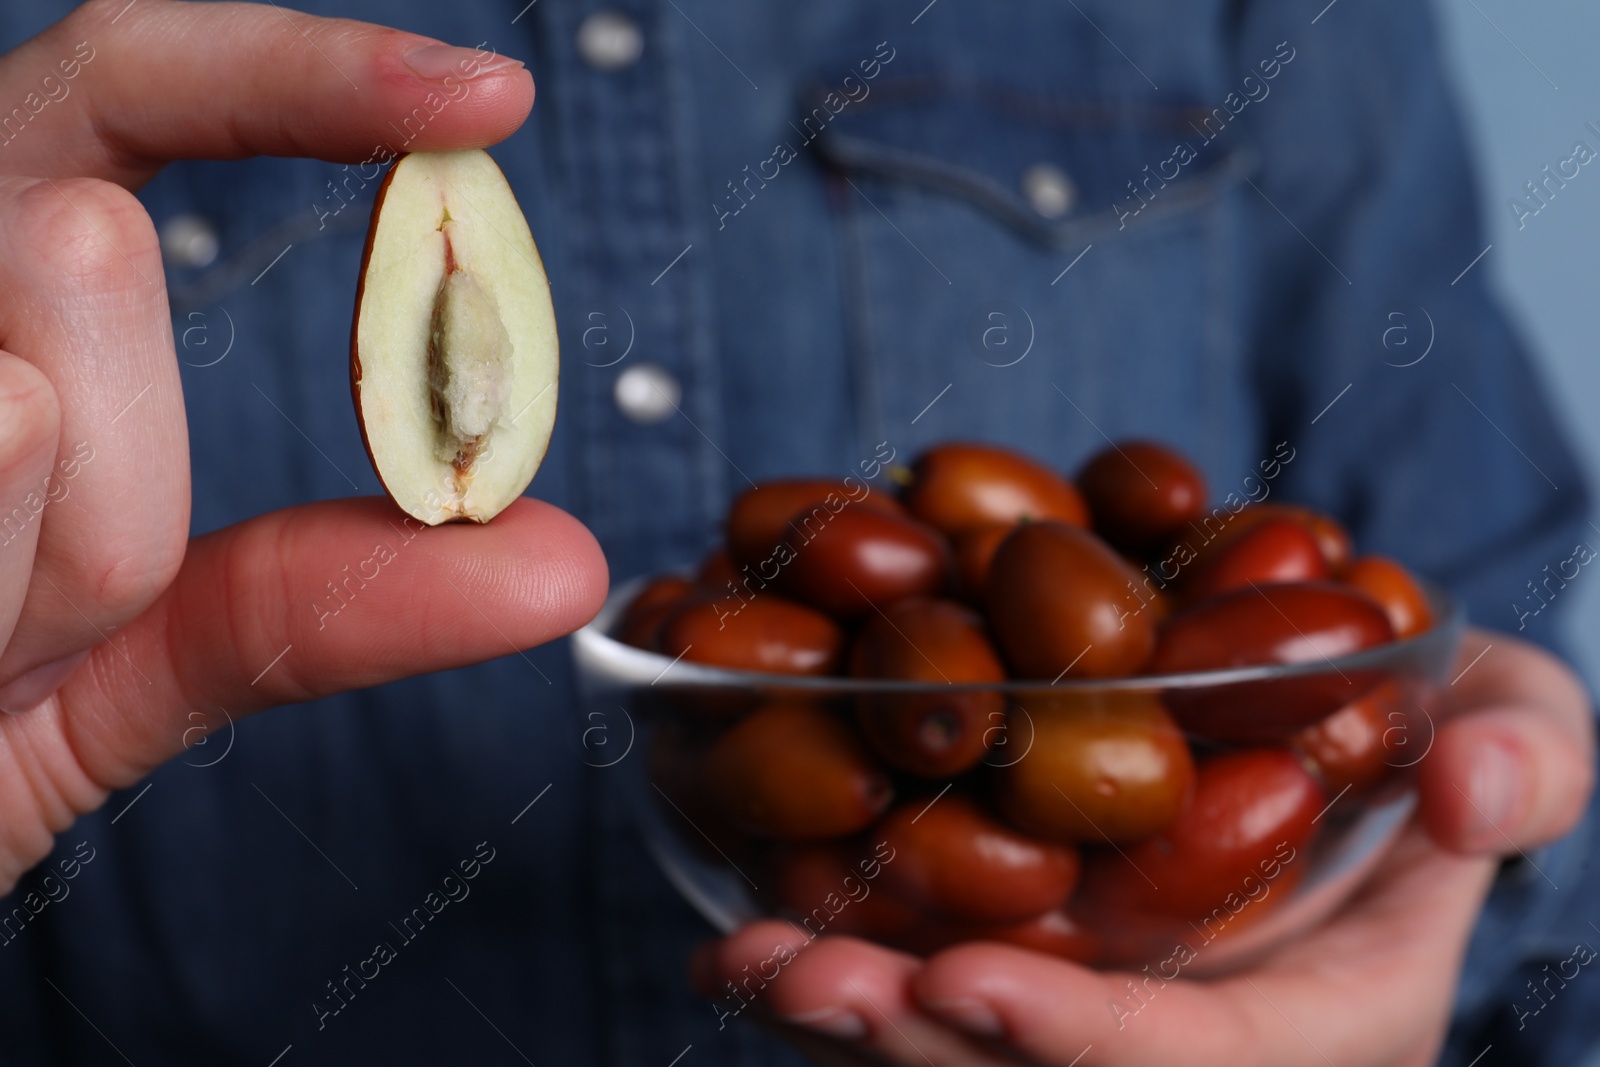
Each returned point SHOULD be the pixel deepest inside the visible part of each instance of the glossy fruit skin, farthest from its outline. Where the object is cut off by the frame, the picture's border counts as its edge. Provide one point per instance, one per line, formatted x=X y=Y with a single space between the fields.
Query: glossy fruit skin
x=1302 y=622
x=760 y=517
x=1193 y=546
x=958 y=862
x=1269 y=552
x=925 y=639
x=794 y=772
x=959 y=487
x=676 y=759
x=766 y=633
x=1250 y=818
x=640 y=625
x=975 y=551
x=835 y=887
x=1055 y=933
x=1358 y=744
x=1140 y=493
x=861 y=559
x=1392 y=587
x=1059 y=600
x=1117 y=770
x=1297 y=622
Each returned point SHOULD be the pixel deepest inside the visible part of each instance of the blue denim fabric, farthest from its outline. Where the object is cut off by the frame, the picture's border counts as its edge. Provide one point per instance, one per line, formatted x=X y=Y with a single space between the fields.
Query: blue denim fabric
x=821 y=308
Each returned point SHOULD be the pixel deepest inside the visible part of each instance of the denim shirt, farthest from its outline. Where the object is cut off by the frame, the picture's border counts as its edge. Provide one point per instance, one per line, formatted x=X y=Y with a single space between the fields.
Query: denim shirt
x=838 y=226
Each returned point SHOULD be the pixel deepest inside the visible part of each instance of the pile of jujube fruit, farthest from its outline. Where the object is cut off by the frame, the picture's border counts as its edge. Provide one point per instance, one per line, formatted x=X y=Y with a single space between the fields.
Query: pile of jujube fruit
x=1085 y=823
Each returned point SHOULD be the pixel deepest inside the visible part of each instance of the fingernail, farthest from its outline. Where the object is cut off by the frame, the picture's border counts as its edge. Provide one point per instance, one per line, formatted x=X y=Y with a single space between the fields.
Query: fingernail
x=973 y=1016
x=835 y=1022
x=1495 y=784
x=33 y=688
x=439 y=61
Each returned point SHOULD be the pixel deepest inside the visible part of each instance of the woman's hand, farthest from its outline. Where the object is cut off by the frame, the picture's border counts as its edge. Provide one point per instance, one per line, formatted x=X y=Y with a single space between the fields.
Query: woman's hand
x=1511 y=768
x=118 y=634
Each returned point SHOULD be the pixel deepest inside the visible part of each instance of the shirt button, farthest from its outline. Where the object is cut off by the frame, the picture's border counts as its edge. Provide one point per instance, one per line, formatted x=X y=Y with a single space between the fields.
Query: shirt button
x=189 y=241
x=609 y=40
x=1049 y=190
x=646 y=393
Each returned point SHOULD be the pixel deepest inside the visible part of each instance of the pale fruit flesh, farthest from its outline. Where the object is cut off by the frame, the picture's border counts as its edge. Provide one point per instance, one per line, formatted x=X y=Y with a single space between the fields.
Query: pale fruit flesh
x=454 y=356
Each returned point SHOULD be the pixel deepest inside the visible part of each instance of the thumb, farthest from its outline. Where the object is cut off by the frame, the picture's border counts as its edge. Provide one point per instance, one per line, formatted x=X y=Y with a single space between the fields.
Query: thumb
x=1513 y=766
x=116 y=89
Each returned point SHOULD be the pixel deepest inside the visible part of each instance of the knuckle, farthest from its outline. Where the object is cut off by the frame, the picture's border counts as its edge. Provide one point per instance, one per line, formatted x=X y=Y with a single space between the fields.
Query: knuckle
x=88 y=235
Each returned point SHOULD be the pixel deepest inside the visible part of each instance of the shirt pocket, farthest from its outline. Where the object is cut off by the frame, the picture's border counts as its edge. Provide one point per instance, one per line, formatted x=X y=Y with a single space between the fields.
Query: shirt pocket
x=1105 y=304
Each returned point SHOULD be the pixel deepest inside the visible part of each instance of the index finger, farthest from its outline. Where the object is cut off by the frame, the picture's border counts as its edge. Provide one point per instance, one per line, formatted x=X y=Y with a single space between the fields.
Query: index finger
x=115 y=90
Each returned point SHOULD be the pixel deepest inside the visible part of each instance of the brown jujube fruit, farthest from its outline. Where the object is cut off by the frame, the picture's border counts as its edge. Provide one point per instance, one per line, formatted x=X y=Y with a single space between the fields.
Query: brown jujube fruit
x=794 y=772
x=1395 y=591
x=1271 y=551
x=835 y=887
x=1115 y=770
x=640 y=625
x=958 y=862
x=1214 y=531
x=767 y=633
x=1061 y=602
x=1357 y=744
x=1302 y=622
x=924 y=639
x=1140 y=492
x=1250 y=819
x=960 y=487
x=717 y=570
x=860 y=559
x=975 y=551
x=1055 y=933
x=1297 y=622
x=759 y=518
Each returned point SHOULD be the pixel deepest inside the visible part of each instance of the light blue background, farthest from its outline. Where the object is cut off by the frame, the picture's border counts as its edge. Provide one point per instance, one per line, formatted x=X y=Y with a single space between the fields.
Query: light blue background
x=1547 y=271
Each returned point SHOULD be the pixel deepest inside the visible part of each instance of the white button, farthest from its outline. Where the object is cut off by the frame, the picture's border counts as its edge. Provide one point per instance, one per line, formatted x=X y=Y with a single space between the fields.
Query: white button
x=1049 y=190
x=610 y=40
x=647 y=393
x=189 y=241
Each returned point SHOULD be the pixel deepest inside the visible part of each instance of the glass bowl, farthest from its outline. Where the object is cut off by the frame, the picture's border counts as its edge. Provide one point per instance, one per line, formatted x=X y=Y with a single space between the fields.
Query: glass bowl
x=849 y=883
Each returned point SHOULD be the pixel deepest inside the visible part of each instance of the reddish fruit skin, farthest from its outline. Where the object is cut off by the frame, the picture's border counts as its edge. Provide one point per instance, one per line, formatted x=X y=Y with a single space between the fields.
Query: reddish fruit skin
x=1250 y=818
x=1351 y=748
x=862 y=559
x=1055 y=933
x=768 y=634
x=923 y=639
x=1193 y=546
x=1060 y=600
x=960 y=863
x=718 y=571
x=960 y=487
x=1120 y=771
x=1392 y=587
x=640 y=625
x=760 y=517
x=835 y=887
x=1140 y=492
x=975 y=551
x=1304 y=622
x=1269 y=552
x=794 y=772
x=1298 y=622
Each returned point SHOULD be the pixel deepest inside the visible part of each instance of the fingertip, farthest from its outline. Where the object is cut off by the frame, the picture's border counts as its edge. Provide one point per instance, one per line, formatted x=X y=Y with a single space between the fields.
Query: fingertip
x=566 y=568
x=1502 y=780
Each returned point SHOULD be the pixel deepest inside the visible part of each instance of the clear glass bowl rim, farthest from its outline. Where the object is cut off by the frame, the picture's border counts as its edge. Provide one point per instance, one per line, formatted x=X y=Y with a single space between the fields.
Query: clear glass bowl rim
x=636 y=663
